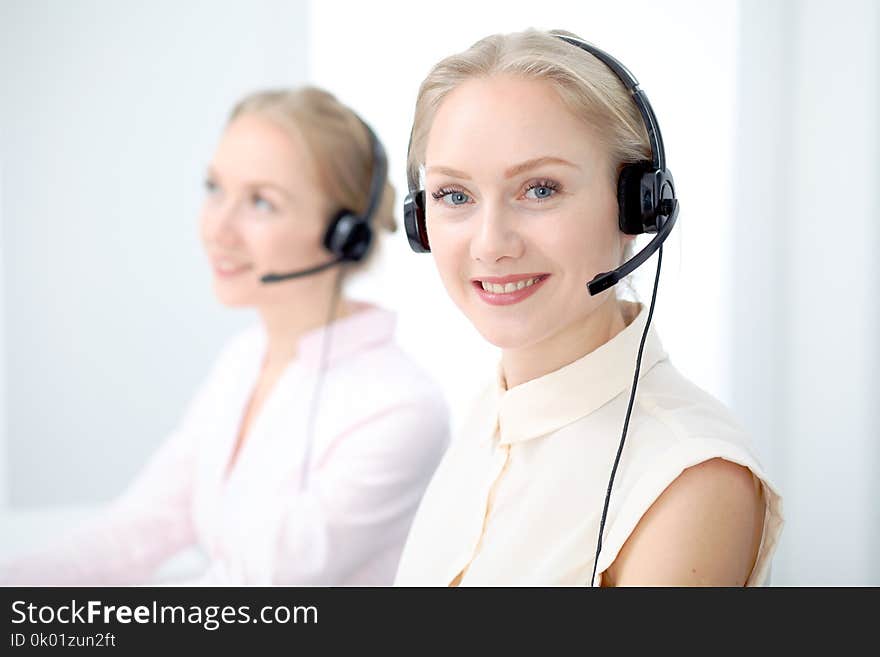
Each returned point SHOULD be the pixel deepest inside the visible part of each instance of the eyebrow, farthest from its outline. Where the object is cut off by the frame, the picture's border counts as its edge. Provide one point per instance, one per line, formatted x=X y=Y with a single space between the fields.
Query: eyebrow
x=455 y=173
x=256 y=183
x=522 y=167
x=515 y=170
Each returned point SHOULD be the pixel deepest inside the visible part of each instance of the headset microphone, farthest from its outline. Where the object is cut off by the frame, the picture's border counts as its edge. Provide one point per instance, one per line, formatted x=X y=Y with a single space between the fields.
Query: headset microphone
x=348 y=237
x=646 y=204
x=275 y=278
x=609 y=278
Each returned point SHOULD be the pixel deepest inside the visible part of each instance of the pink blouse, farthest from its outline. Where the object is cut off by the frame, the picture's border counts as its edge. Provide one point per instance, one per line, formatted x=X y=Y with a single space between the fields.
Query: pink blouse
x=380 y=431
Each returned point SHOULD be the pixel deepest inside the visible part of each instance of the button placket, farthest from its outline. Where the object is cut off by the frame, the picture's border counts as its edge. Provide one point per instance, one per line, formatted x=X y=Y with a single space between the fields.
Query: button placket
x=500 y=468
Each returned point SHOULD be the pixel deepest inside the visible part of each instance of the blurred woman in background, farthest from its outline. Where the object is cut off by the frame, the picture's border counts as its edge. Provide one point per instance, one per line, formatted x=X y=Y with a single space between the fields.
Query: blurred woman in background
x=304 y=454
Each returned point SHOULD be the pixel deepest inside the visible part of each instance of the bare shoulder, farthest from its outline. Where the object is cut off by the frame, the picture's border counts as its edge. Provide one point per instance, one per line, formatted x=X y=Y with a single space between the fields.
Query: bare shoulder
x=703 y=530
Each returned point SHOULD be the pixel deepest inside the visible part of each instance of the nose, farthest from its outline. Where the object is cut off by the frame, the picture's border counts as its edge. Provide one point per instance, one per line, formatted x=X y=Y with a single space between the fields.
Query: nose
x=495 y=235
x=219 y=225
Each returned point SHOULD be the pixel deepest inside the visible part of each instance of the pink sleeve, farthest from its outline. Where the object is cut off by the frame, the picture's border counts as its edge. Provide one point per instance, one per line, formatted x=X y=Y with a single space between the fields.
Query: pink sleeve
x=125 y=541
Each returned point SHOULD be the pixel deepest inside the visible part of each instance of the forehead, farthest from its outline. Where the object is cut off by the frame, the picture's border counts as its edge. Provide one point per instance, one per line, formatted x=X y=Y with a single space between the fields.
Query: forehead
x=255 y=148
x=491 y=123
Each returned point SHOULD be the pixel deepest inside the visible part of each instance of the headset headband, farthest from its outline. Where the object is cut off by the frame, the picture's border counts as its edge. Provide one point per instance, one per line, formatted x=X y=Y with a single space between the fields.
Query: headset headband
x=658 y=153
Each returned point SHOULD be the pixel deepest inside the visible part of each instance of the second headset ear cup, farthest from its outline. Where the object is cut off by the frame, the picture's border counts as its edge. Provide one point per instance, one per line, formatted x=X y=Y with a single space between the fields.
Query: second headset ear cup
x=348 y=237
x=635 y=198
x=414 y=221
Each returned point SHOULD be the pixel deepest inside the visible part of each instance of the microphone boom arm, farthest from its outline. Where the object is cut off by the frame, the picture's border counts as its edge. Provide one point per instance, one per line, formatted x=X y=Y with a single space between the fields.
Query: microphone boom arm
x=275 y=278
x=603 y=281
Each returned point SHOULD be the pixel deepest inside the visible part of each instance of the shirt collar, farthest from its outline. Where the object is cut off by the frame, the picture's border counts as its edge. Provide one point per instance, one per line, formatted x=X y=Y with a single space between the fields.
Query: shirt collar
x=548 y=403
x=367 y=327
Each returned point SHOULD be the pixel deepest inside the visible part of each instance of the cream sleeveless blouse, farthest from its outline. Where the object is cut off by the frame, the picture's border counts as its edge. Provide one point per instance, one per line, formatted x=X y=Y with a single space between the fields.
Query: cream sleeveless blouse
x=518 y=497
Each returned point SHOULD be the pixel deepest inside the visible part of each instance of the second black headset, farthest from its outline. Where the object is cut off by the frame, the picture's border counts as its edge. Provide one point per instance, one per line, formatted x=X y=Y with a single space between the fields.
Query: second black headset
x=350 y=235
x=645 y=190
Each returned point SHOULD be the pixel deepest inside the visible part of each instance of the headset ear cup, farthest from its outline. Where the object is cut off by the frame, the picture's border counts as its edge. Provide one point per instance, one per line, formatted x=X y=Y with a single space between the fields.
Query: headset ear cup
x=335 y=236
x=630 y=197
x=414 y=221
x=348 y=237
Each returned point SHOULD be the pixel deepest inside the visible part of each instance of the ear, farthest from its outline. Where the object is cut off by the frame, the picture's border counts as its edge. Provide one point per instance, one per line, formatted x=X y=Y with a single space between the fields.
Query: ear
x=625 y=240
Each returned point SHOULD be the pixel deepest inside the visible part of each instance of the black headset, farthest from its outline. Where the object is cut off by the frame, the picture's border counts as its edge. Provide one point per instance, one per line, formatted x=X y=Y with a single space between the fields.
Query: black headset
x=646 y=204
x=350 y=235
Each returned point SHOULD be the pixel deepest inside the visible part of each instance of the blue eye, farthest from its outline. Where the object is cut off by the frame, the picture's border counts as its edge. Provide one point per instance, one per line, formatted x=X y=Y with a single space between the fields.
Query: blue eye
x=210 y=186
x=451 y=197
x=541 y=191
x=262 y=204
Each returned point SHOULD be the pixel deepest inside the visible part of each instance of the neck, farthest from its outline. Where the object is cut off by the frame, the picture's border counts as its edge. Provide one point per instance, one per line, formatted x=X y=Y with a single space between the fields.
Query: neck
x=563 y=348
x=286 y=323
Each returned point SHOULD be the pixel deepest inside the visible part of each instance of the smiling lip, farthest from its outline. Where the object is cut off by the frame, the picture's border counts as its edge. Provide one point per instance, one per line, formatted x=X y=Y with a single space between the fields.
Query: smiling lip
x=507 y=298
x=226 y=271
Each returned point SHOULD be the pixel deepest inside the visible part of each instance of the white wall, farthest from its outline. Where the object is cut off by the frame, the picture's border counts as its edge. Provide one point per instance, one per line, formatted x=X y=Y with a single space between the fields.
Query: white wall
x=108 y=114
x=682 y=52
x=831 y=408
x=807 y=291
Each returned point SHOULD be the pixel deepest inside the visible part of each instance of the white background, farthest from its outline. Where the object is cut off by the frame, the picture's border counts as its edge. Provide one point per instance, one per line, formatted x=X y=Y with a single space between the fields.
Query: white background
x=769 y=296
x=108 y=115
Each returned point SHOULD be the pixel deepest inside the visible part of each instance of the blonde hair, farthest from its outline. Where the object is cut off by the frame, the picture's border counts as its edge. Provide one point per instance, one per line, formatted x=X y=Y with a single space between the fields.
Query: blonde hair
x=587 y=87
x=339 y=145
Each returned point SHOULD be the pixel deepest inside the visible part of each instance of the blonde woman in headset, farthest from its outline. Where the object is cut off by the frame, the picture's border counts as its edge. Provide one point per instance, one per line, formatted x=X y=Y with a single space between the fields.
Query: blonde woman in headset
x=303 y=456
x=534 y=160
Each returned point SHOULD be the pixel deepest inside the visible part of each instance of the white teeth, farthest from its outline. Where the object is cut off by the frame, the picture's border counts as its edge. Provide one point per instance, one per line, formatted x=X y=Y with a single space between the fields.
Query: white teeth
x=495 y=288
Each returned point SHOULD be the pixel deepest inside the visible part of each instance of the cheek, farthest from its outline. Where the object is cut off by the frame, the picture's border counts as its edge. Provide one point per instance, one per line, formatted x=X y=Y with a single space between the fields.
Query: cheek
x=449 y=247
x=282 y=242
x=262 y=247
x=588 y=244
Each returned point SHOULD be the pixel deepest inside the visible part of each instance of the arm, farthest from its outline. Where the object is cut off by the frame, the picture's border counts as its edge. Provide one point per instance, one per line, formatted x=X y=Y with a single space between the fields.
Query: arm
x=130 y=537
x=363 y=494
x=703 y=530
x=124 y=542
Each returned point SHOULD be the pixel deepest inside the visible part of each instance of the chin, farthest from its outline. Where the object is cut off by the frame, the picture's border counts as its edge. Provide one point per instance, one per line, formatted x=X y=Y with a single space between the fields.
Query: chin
x=233 y=299
x=512 y=333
